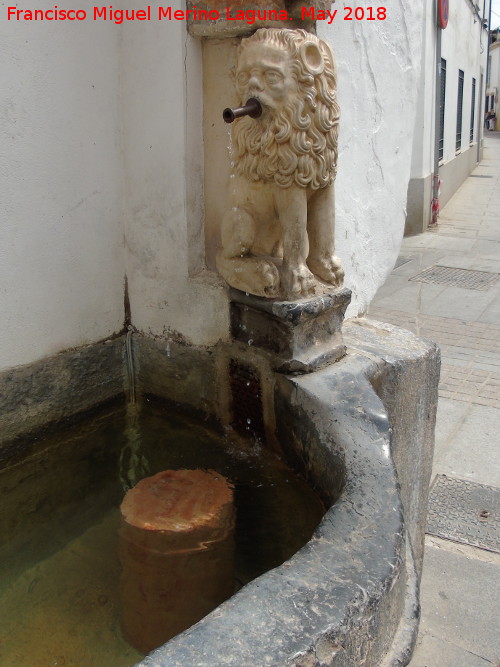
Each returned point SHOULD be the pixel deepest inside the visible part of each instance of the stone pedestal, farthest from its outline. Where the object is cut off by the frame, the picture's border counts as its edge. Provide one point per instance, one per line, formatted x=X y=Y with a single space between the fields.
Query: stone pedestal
x=301 y=336
x=176 y=550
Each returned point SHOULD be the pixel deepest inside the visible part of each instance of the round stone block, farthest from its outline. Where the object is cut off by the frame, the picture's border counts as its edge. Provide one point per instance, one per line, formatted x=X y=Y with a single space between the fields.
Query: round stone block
x=177 y=553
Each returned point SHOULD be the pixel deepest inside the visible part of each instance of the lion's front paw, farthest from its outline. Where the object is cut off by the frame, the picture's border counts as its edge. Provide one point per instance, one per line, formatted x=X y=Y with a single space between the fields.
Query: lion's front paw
x=269 y=279
x=254 y=275
x=298 y=282
x=328 y=269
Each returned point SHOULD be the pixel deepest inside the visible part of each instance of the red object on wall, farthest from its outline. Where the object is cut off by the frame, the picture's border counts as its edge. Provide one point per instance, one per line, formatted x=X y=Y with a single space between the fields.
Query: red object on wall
x=443 y=8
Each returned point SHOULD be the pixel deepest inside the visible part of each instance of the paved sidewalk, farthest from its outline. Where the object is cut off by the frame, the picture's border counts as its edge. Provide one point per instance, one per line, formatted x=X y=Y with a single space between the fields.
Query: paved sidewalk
x=460 y=595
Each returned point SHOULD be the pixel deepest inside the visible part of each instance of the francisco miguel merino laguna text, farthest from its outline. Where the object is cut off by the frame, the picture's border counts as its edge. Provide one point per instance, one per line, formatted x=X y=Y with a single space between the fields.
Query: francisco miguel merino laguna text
x=169 y=14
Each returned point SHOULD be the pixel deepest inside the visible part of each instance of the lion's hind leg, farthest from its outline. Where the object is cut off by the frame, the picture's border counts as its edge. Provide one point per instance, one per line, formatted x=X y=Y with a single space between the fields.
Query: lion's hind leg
x=236 y=264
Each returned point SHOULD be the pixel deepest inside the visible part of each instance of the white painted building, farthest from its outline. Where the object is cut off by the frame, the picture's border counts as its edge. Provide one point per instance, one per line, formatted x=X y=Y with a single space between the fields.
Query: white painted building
x=449 y=122
x=493 y=83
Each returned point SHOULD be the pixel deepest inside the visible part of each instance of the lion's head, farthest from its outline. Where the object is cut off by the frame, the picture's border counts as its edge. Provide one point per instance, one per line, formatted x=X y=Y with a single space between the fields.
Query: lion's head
x=292 y=73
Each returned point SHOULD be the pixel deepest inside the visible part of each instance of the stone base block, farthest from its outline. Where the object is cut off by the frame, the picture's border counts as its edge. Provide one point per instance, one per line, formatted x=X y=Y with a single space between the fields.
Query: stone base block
x=301 y=336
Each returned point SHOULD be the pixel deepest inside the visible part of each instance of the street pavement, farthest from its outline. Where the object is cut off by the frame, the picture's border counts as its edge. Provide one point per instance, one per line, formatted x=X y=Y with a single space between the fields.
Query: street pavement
x=460 y=593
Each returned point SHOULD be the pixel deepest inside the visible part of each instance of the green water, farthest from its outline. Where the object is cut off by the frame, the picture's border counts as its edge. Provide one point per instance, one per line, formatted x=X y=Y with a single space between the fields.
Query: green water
x=59 y=569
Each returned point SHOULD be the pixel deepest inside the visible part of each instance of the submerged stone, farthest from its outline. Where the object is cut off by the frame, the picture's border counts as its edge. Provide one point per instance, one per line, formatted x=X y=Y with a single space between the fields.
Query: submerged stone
x=177 y=553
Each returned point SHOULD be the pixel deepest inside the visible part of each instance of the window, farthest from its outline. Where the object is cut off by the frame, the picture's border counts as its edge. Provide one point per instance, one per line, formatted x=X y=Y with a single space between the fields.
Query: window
x=442 y=74
x=460 y=101
x=472 y=110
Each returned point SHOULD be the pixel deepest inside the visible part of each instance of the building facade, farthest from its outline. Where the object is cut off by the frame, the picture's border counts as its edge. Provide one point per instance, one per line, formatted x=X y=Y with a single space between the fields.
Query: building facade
x=493 y=80
x=449 y=122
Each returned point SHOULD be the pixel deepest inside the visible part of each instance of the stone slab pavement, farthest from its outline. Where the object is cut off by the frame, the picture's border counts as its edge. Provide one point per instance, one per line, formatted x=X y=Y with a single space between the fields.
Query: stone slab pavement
x=460 y=594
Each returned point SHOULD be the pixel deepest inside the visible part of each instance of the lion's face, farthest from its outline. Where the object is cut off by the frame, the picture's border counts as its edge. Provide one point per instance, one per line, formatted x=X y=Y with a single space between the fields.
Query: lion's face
x=264 y=73
x=292 y=74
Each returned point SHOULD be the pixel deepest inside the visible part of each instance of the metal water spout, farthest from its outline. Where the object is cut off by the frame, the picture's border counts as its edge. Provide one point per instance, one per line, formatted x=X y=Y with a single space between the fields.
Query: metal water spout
x=252 y=108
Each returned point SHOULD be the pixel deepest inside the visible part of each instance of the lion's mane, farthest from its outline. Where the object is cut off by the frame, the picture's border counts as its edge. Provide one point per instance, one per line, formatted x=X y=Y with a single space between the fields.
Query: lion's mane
x=297 y=145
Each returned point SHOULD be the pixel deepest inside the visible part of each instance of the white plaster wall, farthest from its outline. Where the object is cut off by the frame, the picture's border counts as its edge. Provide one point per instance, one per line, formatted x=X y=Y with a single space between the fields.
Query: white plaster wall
x=378 y=74
x=494 y=85
x=163 y=156
x=494 y=76
x=61 y=250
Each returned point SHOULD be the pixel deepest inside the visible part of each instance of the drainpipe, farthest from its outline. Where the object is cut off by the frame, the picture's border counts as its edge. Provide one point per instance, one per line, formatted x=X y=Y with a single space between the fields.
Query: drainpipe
x=488 y=54
x=489 y=44
x=480 y=121
x=437 y=123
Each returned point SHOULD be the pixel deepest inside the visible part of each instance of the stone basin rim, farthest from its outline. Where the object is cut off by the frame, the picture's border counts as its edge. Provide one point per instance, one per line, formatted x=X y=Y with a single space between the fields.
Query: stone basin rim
x=324 y=591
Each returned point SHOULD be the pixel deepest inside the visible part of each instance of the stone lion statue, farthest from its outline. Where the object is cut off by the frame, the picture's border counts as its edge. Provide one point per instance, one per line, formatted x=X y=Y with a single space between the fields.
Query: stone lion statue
x=278 y=231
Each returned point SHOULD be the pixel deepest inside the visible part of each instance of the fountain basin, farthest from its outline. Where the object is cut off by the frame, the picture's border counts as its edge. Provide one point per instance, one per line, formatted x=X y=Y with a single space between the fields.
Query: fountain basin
x=361 y=431
x=63 y=591
x=350 y=596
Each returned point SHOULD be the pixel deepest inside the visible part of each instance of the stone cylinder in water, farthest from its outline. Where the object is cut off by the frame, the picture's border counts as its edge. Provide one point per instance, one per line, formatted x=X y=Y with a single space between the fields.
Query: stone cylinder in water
x=177 y=553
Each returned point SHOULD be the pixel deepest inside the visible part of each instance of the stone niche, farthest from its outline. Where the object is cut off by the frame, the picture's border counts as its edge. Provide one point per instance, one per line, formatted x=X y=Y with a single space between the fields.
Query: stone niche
x=220 y=59
x=278 y=228
x=218 y=19
x=269 y=180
